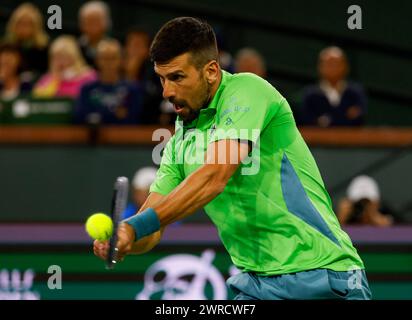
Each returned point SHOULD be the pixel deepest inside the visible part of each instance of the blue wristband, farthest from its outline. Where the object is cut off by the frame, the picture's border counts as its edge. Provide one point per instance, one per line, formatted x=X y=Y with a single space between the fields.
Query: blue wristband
x=144 y=223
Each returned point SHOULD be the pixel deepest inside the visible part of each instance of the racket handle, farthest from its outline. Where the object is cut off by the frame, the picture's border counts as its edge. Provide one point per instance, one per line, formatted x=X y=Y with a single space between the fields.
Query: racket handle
x=119 y=202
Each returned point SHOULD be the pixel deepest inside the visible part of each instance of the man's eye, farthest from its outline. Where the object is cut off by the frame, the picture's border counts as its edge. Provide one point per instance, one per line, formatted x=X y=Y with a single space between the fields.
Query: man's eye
x=176 y=77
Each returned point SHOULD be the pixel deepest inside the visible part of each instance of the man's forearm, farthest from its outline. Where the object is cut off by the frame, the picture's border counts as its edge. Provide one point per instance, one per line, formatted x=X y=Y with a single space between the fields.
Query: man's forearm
x=193 y=193
x=198 y=189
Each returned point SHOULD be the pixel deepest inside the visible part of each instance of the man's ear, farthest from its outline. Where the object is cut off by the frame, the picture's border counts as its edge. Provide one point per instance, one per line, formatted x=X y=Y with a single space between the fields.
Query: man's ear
x=212 y=71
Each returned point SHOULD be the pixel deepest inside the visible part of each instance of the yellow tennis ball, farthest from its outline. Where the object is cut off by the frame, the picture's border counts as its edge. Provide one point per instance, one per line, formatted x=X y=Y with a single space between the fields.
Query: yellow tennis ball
x=99 y=226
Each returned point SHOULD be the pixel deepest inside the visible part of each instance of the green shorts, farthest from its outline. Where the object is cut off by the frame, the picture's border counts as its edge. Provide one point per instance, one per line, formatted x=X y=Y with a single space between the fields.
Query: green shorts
x=305 y=285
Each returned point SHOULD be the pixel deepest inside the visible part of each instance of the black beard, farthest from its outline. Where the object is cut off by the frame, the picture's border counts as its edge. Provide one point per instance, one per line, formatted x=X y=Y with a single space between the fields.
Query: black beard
x=194 y=114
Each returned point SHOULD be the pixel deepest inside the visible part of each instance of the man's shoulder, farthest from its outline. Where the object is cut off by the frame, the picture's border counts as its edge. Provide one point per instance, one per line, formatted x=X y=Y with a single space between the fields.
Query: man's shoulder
x=249 y=84
x=246 y=79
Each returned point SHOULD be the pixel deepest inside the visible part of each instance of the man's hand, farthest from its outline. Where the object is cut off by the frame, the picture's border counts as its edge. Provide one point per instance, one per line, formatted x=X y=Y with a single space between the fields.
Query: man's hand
x=126 y=237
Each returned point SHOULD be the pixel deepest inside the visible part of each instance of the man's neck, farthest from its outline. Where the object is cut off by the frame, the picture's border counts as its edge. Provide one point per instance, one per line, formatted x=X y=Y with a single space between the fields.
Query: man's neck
x=216 y=85
x=337 y=85
x=109 y=78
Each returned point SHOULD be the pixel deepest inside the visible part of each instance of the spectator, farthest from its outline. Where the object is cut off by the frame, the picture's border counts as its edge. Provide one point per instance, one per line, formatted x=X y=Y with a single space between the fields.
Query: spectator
x=68 y=71
x=334 y=101
x=94 y=22
x=136 y=55
x=250 y=60
x=225 y=58
x=109 y=100
x=25 y=29
x=11 y=84
x=141 y=183
x=362 y=204
x=138 y=68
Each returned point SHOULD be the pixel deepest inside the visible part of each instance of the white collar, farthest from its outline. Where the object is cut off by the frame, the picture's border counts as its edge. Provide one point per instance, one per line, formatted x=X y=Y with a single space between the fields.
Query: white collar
x=334 y=95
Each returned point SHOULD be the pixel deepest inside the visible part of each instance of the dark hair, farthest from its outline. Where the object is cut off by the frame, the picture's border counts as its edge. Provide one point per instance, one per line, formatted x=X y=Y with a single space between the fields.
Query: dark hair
x=137 y=30
x=181 y=35
x=11 y=48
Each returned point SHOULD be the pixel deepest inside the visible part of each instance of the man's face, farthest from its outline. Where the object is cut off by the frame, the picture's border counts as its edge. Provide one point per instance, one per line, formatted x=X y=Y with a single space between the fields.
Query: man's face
x=251 y=64
x=332 y=67
x=185 y=86
x=109 y=59
x=93 y=24
x=9 y=63
x=137 y=45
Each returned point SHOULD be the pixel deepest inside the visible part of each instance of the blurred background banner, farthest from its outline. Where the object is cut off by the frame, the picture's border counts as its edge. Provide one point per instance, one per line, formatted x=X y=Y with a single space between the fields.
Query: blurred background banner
x=186 y=253
x=79 y=105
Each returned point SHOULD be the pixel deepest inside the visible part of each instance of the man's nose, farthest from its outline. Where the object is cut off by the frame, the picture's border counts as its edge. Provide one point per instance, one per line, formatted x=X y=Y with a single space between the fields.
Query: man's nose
x=168 y=90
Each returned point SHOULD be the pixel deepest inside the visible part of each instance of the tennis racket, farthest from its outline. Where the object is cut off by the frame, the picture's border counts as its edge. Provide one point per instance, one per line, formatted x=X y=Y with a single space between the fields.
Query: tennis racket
x=119 y=201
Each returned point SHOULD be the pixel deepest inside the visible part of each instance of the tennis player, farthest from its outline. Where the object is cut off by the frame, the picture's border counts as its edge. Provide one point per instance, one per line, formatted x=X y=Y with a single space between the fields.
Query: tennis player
x=257 y=180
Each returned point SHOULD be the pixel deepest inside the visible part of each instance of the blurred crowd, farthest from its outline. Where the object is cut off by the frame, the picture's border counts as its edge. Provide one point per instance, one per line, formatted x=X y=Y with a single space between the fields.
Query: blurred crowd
x=113 y=81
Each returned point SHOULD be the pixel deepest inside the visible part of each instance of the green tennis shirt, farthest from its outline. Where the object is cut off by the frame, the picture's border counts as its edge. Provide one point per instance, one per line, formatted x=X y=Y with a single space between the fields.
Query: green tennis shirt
x=274 y=215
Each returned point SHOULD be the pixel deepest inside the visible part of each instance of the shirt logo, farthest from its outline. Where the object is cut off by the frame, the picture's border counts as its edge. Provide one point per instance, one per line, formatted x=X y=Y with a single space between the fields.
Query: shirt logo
x=228 y=121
